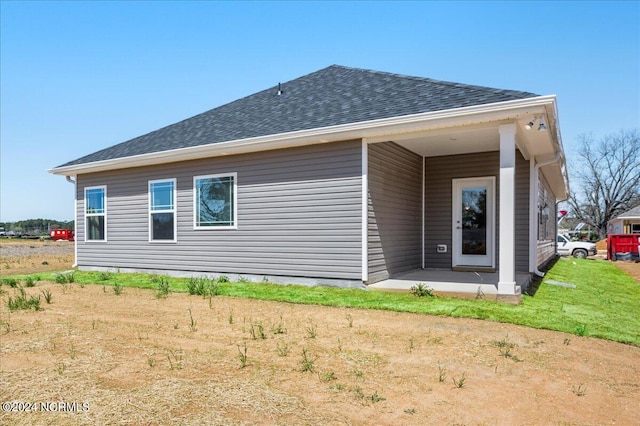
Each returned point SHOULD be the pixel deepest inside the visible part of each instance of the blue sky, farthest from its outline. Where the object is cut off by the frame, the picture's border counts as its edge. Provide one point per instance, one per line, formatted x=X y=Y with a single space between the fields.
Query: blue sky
x=77 y=77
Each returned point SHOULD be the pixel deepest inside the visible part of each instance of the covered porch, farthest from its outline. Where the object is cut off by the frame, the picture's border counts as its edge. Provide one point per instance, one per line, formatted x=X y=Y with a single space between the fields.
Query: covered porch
x=458 y=208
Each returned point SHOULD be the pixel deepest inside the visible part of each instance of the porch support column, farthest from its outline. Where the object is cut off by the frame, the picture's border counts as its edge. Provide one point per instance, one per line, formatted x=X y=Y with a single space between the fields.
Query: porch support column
x=507 y=266
x=365 y=212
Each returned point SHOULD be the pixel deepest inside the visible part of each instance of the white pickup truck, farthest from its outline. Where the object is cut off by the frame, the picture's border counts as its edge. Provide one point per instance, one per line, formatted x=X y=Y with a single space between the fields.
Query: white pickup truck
x=580 y=249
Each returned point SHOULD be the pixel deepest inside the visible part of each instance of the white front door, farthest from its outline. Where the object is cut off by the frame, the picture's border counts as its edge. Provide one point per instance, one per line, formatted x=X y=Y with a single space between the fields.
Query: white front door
x=474 y=222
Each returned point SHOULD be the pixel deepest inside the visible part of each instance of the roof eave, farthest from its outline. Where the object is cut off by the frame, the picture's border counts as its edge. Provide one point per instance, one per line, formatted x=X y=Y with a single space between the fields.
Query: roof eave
x=359 y=130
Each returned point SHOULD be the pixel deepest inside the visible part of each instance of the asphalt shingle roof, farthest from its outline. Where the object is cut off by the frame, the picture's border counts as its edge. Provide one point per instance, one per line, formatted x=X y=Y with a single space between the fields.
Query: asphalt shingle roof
x=331 y=96
x=634 y=212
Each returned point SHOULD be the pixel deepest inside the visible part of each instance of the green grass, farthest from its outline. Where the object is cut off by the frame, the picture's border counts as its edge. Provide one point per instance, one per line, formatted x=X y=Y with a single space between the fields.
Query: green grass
x=605 y=304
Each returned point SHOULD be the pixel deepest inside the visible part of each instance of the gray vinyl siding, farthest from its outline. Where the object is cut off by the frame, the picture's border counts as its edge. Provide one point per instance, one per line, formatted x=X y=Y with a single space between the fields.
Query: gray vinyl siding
x=439 y=174
x=394 y=210
x=522 y=213
x=547 y=230
x=299 y=214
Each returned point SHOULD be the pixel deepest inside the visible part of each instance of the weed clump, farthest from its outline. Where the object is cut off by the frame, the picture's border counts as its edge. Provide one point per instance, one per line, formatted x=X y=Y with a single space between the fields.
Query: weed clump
x=65 y=278
x=104 y=276
x=422 y=290
x=257 y=331
x=47 y=296
x=307 y=363
x=579 y=390
x=203 y=287
x=11 y=282
x=242 y=356
x=460 y=382
x=163 y=288
x=22 y=301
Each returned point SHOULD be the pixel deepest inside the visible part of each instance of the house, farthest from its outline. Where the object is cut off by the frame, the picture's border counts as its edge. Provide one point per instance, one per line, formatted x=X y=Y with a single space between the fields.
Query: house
x=344 y=177
x=626 y=223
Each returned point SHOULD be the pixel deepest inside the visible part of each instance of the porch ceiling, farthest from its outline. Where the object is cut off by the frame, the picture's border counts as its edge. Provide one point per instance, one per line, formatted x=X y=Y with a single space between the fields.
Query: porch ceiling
x=454 y=141
x=483 y=137
x=471 y=139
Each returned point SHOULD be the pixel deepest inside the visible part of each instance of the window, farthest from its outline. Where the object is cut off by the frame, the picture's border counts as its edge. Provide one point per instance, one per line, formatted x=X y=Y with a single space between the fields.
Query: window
x=215 y=199
x=162 y=213
x=95 y=213
x=635 y=228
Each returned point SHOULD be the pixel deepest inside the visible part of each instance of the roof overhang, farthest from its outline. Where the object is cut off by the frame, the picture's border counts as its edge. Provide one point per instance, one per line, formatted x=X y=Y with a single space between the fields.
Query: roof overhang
x=540 y=145
x=623 y=218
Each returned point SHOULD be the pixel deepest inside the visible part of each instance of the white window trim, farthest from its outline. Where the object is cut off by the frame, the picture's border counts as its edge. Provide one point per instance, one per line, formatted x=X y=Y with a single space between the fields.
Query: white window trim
x=104 y=188
x=174 y=211
x=235 y=202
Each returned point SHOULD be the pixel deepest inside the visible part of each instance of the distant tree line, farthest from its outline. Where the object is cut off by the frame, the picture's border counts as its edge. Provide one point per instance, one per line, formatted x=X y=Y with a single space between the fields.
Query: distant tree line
x=36 y=226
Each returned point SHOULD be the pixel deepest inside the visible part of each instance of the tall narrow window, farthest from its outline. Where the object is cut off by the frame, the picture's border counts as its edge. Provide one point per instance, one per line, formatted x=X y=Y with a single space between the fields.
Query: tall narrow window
x=162 y=213
x=214 y=202
x=95 y=213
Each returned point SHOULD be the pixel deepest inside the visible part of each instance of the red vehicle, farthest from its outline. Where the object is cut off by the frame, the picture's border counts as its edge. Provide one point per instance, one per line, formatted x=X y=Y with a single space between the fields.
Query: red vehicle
x=623 y=246
x=62 y=235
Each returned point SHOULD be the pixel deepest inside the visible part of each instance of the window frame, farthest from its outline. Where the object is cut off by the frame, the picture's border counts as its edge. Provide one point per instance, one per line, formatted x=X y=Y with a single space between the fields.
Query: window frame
x=173 y=210
x=197 y=227
x=103 y=214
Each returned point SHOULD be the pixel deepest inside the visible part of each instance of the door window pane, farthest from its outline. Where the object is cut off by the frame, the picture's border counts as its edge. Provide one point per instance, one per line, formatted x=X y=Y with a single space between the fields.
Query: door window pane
x=474 y=221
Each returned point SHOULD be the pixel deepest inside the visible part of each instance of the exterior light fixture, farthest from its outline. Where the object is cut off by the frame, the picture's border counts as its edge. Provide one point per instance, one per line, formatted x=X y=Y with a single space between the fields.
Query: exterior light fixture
x=542 y=126
x=531 y=124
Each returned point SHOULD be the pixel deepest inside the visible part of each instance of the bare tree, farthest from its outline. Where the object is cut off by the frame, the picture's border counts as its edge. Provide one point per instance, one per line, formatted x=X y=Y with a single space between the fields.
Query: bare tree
x=607 y=174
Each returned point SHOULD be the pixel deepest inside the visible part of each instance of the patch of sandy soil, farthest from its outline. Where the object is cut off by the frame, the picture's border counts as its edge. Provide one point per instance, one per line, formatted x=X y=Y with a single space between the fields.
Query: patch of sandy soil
x=631 y=268
x=33 y=256
x=136 y=359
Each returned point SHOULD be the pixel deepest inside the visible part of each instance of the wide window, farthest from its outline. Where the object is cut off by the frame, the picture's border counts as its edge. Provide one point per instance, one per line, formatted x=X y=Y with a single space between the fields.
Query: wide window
x=95 y=213
x=162 y=213
x=215 y=201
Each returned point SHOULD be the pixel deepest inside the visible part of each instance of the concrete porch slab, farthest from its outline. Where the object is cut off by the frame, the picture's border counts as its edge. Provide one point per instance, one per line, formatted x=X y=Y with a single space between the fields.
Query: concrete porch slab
x=448 y=282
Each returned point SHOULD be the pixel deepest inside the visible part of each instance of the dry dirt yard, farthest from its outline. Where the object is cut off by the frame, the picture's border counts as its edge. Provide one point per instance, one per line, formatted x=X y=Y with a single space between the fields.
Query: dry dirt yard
x=31 y=256
x=136 y=359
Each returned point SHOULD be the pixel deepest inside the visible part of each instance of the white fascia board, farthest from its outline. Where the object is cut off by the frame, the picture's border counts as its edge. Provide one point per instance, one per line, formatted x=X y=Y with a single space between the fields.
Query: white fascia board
x=365 y=129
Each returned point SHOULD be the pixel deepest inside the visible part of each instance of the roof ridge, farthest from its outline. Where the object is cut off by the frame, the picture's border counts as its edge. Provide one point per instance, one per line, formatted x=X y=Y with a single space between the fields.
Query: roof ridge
x=428 y=79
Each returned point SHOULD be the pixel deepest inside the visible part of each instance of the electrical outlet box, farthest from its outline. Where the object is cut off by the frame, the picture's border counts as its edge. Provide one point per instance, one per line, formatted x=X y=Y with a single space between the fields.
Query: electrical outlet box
x=441 y=248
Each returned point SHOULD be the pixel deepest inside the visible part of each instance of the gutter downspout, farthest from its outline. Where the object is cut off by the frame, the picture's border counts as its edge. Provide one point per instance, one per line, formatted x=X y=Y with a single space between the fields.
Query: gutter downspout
x=75 y=218
x=536 y=169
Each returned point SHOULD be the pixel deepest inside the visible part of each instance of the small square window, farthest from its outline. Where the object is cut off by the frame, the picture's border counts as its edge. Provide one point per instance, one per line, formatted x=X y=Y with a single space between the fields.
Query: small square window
x=215 y=199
